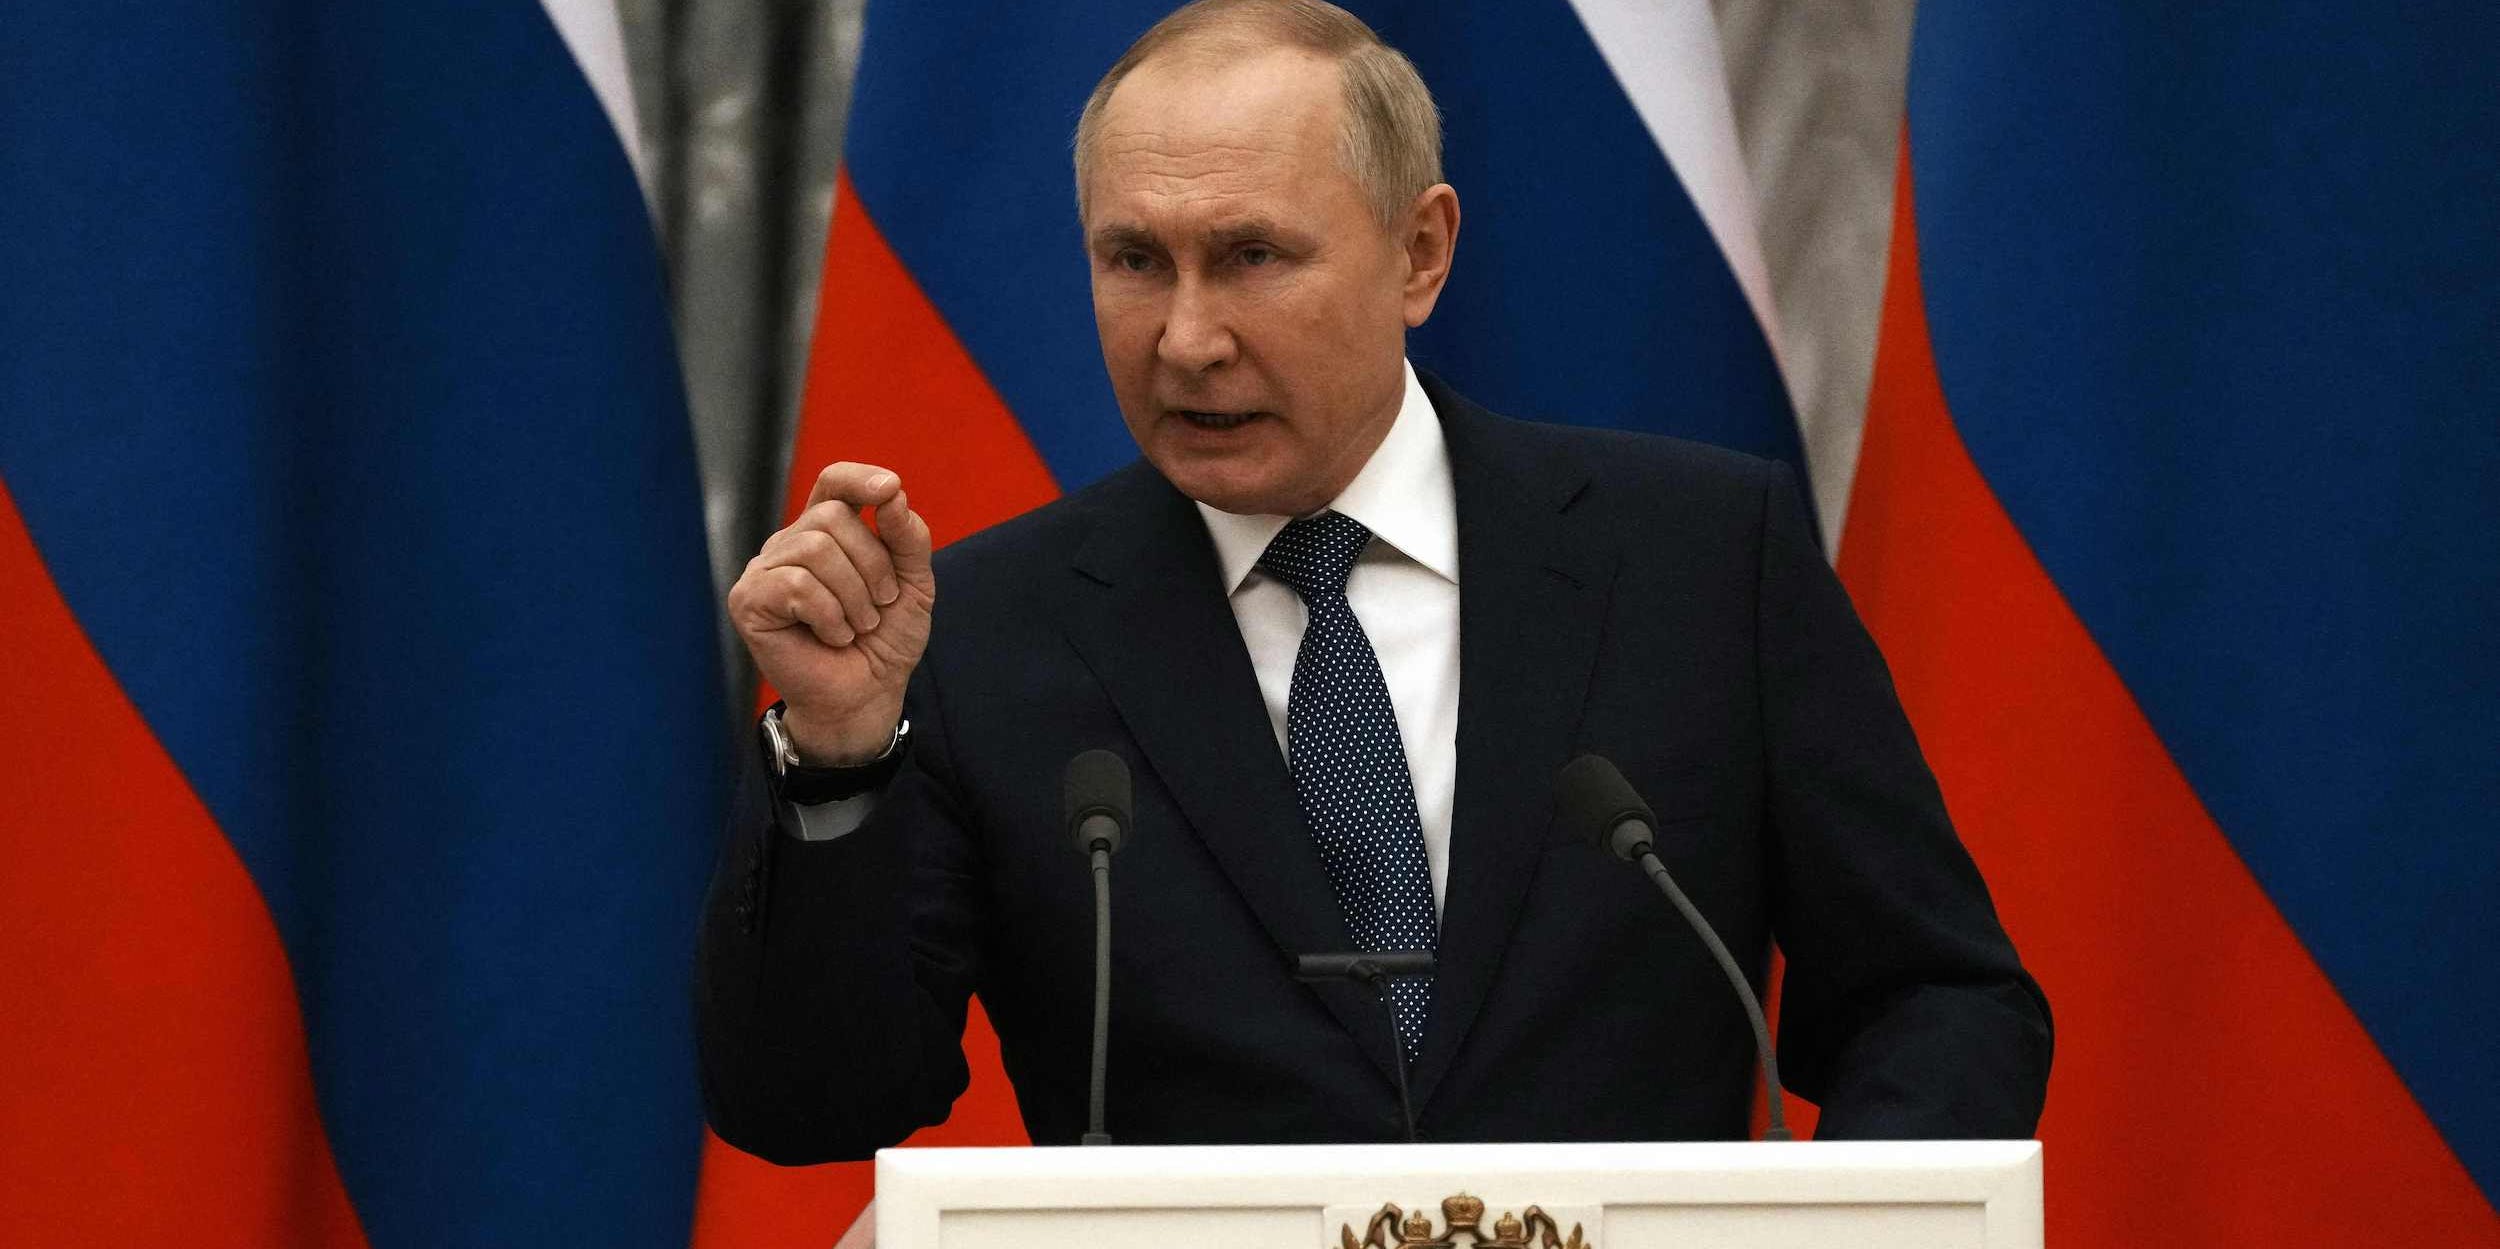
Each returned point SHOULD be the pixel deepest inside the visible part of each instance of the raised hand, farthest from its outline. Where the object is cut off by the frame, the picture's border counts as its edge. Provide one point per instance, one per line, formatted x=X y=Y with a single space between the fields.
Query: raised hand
x=837 y=614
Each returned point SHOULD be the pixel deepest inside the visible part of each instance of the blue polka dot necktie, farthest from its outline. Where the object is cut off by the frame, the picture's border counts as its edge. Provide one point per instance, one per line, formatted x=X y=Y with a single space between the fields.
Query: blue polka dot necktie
x=1349 y=767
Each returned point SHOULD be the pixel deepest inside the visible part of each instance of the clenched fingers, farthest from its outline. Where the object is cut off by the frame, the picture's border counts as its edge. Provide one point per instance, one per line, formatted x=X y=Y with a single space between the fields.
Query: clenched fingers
x=865 y=549
x=786 y=596
x=831 y=564
x=866 y=486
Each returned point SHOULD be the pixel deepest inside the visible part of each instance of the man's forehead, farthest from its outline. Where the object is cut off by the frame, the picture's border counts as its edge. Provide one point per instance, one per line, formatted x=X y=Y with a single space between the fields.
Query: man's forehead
x=1184 y=90
x=1214 y=194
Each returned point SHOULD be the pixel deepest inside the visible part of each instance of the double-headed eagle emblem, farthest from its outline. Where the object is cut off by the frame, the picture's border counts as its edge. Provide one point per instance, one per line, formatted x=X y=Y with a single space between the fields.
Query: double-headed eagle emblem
x=1463 y=1220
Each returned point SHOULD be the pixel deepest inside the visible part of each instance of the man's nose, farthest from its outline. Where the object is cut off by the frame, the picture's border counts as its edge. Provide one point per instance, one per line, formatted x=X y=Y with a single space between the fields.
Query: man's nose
x=1197 y=334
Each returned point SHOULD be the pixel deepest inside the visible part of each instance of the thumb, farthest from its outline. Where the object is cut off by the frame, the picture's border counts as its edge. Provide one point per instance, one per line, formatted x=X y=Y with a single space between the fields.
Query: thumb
x=906 y=537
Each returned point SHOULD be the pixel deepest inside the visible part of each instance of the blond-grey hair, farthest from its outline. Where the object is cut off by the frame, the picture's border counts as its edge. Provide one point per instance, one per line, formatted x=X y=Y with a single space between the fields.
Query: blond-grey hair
x=1391 y=142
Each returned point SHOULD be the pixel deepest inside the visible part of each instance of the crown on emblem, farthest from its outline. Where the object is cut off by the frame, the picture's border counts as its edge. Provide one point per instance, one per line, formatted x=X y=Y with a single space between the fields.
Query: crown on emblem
x=1463 y=1228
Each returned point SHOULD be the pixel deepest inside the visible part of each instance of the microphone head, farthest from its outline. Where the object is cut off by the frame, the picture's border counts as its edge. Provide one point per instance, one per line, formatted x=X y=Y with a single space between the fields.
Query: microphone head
x=1596 y=805
x=1095 y=805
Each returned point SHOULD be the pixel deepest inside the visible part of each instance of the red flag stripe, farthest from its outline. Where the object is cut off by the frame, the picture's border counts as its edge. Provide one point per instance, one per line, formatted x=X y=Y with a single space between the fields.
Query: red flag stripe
x=157 y=1089
x=888 y=383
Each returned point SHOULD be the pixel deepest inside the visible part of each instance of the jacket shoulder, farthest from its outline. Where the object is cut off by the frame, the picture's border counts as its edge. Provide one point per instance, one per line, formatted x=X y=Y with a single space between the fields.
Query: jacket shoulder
x=1629 y=453
x=1632 y=476
x=1605 y=461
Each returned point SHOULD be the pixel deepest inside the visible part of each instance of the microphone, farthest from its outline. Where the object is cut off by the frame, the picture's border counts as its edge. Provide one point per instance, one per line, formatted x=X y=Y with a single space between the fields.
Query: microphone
x=1096 y=809
x=1597 y=803
x=1375 y=968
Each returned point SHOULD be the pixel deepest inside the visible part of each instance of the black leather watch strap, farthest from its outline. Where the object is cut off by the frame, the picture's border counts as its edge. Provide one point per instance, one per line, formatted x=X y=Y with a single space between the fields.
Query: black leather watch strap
x=808 y=786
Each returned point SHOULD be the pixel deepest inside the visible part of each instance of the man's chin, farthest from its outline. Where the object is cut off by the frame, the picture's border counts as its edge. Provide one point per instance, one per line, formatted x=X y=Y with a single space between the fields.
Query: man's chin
x=1240 y=506
x=1224 y=497
x=1228 y=489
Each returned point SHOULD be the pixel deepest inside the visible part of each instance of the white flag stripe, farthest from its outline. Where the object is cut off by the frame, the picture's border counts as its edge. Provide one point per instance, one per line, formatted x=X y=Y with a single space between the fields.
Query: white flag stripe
x=1665 y=54
x=596 y=36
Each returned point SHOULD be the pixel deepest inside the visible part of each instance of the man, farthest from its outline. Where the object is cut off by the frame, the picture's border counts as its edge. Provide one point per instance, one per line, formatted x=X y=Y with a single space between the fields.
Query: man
x=1344 y=626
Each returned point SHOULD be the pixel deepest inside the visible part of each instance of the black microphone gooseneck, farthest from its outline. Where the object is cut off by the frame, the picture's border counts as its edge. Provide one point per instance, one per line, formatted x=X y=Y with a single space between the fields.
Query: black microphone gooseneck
x=1376 y=968
x=1599 y=804
x=1096 y=808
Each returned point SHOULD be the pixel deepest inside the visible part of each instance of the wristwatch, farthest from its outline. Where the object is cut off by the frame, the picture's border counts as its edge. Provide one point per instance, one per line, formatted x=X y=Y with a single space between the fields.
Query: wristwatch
x=805 y=785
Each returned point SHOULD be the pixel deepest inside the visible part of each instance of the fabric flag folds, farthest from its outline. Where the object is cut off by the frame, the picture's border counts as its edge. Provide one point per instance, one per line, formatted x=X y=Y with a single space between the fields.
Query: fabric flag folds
x=955 y=340
x=2176 y=517
x=361 y=717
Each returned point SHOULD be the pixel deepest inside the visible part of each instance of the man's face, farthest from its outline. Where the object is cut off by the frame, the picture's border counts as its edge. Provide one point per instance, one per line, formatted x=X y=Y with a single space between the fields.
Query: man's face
x=1253 y=311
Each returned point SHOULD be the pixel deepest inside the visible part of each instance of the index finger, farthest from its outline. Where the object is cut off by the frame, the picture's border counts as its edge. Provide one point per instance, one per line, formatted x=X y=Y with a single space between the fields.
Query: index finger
x=859 y=485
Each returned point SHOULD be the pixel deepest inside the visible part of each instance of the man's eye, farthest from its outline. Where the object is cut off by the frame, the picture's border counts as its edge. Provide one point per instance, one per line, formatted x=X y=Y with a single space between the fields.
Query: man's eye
x=1133 y=261
x=1255 y=255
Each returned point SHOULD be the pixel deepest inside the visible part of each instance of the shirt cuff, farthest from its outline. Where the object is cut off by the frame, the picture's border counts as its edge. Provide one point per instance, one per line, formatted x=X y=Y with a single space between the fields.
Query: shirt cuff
x=831 y=821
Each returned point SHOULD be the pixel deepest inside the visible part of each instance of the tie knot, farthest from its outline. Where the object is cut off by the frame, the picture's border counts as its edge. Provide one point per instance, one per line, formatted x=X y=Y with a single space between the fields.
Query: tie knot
x=1315 y=555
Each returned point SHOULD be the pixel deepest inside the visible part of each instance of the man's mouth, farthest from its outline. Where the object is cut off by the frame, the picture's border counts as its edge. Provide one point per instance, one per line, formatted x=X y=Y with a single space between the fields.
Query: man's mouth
x=1204 y=419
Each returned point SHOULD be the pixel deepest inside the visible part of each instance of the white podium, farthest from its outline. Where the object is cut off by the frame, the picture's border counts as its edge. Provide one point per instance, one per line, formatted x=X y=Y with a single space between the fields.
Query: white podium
x=1740 y=1195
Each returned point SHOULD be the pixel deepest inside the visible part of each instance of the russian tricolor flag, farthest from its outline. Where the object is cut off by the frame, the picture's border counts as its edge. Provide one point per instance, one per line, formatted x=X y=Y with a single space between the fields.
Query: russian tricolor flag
x=360 y=752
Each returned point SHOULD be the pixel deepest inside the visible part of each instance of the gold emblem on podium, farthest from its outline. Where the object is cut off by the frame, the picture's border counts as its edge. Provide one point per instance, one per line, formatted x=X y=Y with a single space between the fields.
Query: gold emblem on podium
x=1462 y=1219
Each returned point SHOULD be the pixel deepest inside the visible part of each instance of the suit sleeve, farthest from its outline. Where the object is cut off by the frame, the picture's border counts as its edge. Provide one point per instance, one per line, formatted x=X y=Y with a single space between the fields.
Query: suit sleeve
x=833 y=977
x=1905 y=1013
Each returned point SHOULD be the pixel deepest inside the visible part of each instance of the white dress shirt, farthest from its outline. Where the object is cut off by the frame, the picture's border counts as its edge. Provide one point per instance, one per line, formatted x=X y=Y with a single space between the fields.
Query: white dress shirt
x=1404 y=590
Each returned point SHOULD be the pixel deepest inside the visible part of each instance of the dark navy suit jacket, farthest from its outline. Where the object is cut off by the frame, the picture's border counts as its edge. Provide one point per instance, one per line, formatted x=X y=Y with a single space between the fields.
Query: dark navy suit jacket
x=1655 y=601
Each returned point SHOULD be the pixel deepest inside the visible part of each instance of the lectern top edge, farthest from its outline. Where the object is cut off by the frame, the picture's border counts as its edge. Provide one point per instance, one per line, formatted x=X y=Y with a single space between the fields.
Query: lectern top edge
x=1355 y=1160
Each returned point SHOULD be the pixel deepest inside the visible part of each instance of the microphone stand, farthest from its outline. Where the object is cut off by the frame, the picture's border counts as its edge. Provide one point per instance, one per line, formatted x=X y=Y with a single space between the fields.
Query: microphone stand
x=1096 y=803
x=1777 y=1128
x=1376 y=969
x=1094 y=1133
x=1593 y=796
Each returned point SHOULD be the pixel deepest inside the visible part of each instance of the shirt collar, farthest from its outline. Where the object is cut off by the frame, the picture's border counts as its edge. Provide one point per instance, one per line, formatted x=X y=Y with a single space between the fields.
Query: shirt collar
x=1403 y=495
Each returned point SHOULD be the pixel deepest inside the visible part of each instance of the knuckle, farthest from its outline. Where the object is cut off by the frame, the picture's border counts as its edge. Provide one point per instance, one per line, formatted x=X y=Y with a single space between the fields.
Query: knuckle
x=842 y=577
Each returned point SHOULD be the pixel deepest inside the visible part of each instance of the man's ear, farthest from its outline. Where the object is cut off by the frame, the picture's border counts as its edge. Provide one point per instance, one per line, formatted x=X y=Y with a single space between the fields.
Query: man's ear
x=1429 y=233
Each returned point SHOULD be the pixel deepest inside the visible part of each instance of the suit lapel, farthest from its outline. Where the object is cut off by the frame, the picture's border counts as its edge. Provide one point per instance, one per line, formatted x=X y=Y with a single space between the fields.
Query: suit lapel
x=1533 y=590
x=1158 y=633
